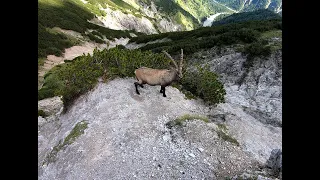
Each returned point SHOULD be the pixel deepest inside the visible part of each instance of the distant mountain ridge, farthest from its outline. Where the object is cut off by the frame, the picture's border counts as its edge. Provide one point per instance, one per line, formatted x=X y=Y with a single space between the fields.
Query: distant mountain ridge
x=251 y=5
x=100 y=20
x=261 y=14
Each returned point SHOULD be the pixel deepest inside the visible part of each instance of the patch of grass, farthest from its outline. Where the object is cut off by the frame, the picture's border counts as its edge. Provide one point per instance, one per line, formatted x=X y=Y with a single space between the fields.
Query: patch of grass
x=179 y=121
x=222 y=134
x=51 y=157
x=74 y=134
x=42 y=113
x=223 y=127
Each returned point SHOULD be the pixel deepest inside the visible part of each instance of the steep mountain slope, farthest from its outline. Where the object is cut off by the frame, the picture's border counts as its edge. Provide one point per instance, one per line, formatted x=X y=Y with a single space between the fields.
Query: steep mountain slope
x=94 y=19
x=108 y=131
x=126 y=136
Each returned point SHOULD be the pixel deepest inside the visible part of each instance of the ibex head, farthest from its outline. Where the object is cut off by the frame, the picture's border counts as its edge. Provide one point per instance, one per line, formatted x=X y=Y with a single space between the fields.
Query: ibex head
x=178 y=68
x=162 y=77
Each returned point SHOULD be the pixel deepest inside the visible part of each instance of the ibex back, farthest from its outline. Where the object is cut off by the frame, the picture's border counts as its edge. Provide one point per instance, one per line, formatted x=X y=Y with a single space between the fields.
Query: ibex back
x=162 y=77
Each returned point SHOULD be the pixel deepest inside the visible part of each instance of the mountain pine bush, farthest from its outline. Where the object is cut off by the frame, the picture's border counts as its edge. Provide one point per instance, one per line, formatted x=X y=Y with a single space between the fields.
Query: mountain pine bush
x=74 y=78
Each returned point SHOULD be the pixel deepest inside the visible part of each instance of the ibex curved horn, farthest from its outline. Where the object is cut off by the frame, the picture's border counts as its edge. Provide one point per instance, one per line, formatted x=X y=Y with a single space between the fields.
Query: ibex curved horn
x=181 y=61
x=173 y=61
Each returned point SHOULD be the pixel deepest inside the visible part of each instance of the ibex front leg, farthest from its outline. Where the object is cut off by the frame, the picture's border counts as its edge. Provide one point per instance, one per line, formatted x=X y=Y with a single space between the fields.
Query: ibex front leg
x=163 y=91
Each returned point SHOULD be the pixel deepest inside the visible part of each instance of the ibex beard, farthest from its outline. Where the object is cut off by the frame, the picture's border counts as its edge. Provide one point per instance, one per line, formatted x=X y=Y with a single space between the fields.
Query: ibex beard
x=162 y=77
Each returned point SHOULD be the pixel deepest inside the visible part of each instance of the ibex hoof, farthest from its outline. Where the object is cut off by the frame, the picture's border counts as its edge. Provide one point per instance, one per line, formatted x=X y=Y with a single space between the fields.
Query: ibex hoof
x=164 y=95
x=161 y=91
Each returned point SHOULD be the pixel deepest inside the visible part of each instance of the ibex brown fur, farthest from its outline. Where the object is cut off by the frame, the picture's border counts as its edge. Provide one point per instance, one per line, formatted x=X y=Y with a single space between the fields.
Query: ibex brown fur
x=162 y=77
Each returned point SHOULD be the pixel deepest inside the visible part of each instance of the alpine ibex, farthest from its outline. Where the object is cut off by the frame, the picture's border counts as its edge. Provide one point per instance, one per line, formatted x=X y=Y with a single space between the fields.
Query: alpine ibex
x=162 y=77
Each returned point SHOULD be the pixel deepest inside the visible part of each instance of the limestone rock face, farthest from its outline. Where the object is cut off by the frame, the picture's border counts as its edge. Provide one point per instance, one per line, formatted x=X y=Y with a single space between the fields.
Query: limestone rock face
x=119 y=21
x=275 y=162
x=50 y=106
x=253 y=108
x=127 y=137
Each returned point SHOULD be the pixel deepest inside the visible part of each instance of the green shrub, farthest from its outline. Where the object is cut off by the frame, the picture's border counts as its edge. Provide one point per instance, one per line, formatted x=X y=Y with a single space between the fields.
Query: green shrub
x=97 y=33
x=256 y=49
x=79 y=76
x=204 y=84
x=121 y=46
x=94 y=38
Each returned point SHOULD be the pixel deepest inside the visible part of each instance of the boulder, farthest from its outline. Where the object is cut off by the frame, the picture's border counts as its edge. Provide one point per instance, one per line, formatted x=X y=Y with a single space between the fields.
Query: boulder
x=275 y=162
x=50 y=106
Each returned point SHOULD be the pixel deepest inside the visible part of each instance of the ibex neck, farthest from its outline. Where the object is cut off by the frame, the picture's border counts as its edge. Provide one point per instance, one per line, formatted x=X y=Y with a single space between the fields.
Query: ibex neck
x=173 y=74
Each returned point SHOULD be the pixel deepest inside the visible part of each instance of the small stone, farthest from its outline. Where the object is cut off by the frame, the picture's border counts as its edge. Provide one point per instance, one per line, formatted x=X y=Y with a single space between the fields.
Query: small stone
x=200 y=149
x=192 y=155
x=165 y=137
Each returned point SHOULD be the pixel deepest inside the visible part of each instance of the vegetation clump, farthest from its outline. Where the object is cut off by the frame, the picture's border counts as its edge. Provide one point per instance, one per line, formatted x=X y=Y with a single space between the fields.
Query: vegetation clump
x=42 y=113
x=204 y=84
x=72 y=79
x=70 y=15
x=207 y=37
x=222 y=133
x=74 y=134
x=179 y=121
